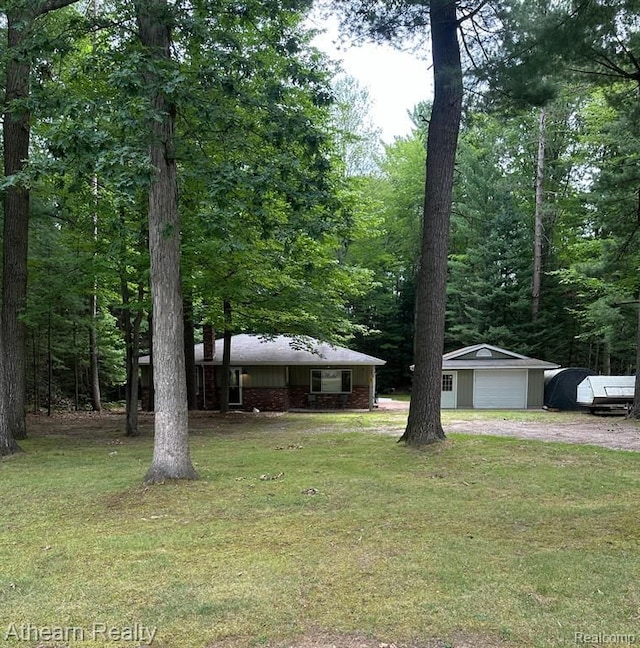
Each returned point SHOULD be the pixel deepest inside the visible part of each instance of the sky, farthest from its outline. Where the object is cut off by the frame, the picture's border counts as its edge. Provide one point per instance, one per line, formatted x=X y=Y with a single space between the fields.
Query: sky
x=396 y=80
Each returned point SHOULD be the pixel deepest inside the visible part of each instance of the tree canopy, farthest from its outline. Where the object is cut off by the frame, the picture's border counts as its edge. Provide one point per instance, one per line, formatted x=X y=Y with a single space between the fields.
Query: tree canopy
x=509 y=215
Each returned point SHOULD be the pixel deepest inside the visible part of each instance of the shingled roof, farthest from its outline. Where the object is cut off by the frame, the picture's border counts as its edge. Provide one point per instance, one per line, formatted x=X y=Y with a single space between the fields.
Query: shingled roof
x=284 y=350
x=254 y=350
x=487 y=356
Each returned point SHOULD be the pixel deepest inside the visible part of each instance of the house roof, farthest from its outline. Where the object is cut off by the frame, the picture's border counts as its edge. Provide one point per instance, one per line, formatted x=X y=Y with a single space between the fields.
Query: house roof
x=487 y=356
x=282 y=350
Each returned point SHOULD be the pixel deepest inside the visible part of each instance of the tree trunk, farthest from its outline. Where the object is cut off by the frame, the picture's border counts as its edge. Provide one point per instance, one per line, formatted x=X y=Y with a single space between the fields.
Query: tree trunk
x=538 y=224
x=189 y=353
x=131 y=329
x=8 y=445
x=94 y=373
x=226 y=358
x=76 y=369
x=606 y=358
x=130 y=431
x=50 y=366
x=94 y=354
x=635 y=409
x=16 y=133
x=134 y=376
x=171 y=456
x=424 y=424
x=152 y=396
x=35 y=344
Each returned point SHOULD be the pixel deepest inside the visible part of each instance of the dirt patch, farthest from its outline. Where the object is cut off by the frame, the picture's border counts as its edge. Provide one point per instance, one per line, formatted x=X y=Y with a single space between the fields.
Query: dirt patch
x=608 y=431
x=336 y=640
x=614 y=432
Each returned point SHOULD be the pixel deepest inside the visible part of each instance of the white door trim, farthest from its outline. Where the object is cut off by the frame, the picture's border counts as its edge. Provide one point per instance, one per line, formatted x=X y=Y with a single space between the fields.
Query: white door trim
x=449 y=398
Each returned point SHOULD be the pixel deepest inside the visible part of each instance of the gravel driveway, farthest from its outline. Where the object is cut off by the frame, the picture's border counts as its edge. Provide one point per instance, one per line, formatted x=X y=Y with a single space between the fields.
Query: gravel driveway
x=608 y=431
x=617 y=432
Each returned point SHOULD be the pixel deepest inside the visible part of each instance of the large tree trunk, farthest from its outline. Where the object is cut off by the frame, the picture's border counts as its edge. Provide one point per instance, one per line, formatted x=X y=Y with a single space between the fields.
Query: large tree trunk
x=16 y=225
x=635 y=409
x=20 y=20
x=538 y=216
x=8 y=444
x=424 y=424
x=171 y=456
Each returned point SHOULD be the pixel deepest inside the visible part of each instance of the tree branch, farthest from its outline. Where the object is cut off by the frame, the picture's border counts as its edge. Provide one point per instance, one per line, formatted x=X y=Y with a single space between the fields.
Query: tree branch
x=473 y=12
x=52 y=5
x=602 y=59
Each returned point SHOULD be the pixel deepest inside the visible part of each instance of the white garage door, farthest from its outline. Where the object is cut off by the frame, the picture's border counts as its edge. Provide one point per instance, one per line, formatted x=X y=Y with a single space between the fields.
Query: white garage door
x=500 y=388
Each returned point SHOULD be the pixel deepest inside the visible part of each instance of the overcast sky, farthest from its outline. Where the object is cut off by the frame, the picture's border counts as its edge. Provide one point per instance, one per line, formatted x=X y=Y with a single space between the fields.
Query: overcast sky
x=396 y=80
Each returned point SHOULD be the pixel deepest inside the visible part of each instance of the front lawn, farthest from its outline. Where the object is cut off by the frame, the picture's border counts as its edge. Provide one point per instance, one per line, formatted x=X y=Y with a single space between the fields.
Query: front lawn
x=308 y=523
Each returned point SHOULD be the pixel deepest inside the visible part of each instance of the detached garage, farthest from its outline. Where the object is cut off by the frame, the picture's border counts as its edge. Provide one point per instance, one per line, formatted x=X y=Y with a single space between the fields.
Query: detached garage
x=488 y=377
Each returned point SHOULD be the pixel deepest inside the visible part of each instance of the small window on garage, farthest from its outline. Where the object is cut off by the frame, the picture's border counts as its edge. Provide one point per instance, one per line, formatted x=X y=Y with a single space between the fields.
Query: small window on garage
x=447 y=382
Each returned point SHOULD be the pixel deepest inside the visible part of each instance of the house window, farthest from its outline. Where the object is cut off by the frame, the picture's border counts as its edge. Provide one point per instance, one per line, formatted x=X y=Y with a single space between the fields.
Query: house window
x=333 y=381
x=235 y=386
x=447 y=382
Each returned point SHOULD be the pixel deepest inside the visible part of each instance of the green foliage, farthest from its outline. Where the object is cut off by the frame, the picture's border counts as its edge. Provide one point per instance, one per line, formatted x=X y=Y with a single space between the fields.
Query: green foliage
x=62 y=269
x=589 y=232
x=357 y=138
x=388 y=243
x=265 y=209
x=264 y=202
x=602 y=268
x=282 y=215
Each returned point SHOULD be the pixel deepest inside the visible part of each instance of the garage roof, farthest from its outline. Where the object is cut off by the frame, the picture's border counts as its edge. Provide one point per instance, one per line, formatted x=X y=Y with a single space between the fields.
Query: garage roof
x=487 y=356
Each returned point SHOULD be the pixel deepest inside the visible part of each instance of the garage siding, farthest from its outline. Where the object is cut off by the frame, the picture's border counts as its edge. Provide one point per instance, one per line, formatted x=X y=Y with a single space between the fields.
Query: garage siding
x=535 y=389
x=465 y=389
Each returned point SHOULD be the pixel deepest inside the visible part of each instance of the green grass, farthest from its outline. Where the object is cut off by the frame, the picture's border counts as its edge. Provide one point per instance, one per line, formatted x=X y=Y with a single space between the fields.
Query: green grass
x=519 y=542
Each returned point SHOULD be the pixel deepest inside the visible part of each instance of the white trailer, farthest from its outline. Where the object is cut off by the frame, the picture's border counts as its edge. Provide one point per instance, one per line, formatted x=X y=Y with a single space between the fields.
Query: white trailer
x=605 y=393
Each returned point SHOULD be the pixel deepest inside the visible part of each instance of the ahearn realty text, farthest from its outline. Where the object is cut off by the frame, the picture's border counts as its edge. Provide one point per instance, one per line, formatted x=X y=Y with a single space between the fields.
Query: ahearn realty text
x=95 y=632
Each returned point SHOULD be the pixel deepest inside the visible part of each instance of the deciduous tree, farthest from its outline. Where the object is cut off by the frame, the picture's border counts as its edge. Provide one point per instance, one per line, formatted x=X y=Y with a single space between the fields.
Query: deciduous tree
x=22 y=29
x=171 y=455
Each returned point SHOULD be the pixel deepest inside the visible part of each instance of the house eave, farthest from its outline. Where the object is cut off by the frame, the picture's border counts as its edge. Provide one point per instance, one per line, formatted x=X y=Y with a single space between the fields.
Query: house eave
x=452 y=365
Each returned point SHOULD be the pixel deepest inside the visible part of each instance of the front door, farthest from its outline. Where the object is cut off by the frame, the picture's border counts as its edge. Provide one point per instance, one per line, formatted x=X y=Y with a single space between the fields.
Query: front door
x=448 y=398
x=235 y=386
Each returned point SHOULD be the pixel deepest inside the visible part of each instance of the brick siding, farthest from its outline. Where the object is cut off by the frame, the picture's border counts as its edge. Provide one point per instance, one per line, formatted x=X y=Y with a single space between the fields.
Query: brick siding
x=276 y=399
